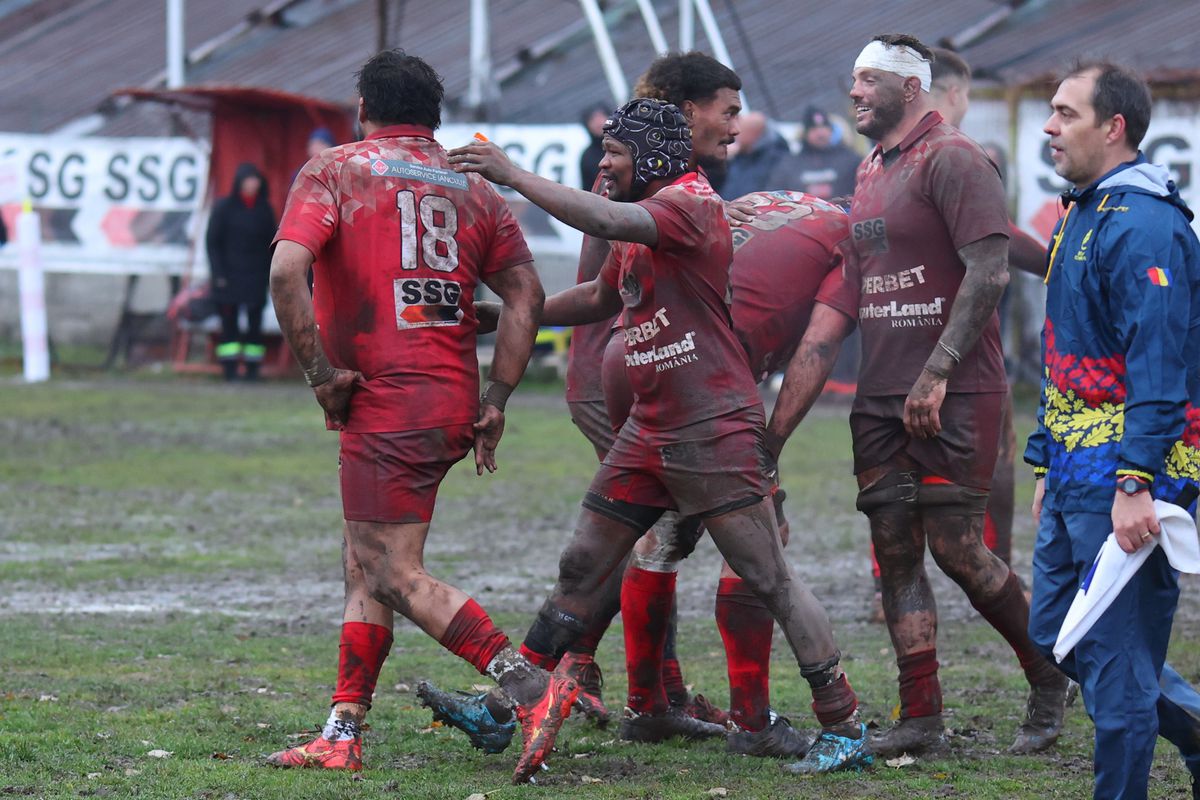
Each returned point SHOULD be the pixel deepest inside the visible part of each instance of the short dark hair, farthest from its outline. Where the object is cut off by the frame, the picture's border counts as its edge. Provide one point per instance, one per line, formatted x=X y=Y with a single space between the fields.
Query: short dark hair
x=399 y=89
x=905 y=40
x=695 y=76
x=949 y=64
x=1119 y=90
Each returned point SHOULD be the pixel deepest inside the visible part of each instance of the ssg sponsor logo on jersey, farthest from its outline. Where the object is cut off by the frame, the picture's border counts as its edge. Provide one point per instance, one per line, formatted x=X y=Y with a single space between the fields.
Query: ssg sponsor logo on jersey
x=870 y=236
x=427 y=302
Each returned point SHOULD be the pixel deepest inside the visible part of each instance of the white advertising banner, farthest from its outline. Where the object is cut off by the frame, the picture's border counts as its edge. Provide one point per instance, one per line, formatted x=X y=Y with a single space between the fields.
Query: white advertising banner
x=1172 y=140
x=124 y=206
x=552 y=151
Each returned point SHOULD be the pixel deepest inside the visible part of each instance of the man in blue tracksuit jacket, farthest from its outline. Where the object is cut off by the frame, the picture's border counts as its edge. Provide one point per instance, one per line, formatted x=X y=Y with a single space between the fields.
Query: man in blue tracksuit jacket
x=1119 y=421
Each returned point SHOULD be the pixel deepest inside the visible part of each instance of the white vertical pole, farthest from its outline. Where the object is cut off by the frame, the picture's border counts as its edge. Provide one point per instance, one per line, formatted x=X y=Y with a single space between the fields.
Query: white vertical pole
x=608 y=54
x=713 y=34
x=175 y=52
x=687 y=26
x=652 y=27
x=31 y=286
x=478 y=93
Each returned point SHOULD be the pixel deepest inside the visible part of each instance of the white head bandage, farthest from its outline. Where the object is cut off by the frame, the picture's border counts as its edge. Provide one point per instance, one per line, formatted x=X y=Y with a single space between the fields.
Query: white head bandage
x=895 y=58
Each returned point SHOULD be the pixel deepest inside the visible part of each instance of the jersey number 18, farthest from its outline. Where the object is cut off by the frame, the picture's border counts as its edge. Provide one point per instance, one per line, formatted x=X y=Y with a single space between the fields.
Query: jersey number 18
x=438 y=216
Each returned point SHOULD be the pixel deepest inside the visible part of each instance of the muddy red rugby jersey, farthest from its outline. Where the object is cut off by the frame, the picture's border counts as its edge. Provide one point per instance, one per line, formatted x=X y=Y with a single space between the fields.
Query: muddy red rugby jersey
x=790 y=251
x=914 y=208
x=684 y=362
x=401 y=241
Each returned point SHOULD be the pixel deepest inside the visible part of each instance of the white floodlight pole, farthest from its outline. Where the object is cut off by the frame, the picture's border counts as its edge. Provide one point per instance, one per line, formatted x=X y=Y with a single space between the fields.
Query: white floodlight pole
x=652 y=27
x=687 y=26
x=478 y=91
x=608 y=54
x=175 y=52
x=709 y=22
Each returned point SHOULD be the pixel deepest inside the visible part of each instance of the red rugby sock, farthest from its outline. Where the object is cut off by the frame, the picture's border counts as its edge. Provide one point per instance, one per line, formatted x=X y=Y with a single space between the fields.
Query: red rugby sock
x=361 y=653
x=746 y=628
x=472 y=637
x=542 y=660
x=672 y=671
x=920 y=690
x=646 y=599
x=587 y=644
x=1008 y=613
x=989 y=533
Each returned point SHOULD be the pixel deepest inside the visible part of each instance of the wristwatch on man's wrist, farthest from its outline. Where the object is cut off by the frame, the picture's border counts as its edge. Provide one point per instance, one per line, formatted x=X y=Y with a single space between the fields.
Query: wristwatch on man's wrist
x=1132 y=484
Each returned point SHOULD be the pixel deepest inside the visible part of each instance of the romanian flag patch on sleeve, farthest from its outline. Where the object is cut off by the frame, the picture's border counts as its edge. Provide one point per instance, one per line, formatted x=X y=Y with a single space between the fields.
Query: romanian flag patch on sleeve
x=1159 y=276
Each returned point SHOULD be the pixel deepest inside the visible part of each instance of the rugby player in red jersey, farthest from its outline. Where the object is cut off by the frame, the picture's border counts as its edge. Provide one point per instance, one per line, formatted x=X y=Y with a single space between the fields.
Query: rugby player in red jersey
x=398 y=242
x=789 y=252
x=950 y=96
x=929 y=235
x=693 y=438
x=706 y=91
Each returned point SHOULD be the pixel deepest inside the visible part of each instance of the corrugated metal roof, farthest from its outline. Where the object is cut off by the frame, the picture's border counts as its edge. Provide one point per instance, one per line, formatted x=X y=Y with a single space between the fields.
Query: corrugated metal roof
x=61 y=58
x=63 y=65
x=1039 y=40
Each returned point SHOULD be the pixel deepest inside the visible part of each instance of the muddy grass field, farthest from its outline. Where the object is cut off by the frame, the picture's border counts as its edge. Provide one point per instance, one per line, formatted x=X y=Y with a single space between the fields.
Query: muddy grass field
x=170 y=596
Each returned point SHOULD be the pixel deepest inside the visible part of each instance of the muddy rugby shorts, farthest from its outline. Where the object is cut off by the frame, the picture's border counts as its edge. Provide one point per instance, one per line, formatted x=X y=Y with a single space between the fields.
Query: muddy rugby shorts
x=394 y=477
x=704 y=469
x=963 y=453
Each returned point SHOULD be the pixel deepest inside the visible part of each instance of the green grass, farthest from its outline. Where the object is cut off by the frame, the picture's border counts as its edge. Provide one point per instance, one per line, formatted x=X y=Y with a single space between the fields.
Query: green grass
x=127 y=492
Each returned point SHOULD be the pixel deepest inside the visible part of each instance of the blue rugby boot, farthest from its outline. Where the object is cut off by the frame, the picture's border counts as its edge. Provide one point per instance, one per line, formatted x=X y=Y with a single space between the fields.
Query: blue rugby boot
x=831 y=752
x=470 y=714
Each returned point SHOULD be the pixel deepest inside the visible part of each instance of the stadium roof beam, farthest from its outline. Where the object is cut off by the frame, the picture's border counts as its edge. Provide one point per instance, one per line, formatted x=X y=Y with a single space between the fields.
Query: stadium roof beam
x=617 y=85
x=653 y=28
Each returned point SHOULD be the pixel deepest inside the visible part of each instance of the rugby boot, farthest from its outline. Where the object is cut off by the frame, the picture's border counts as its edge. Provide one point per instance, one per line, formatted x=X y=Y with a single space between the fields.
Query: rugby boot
x=540 y=722
x=1043 y=717
x=637 y=727
x=584 y=669
x=698 y=707
x=832 y=751
x=910 y=735
x=322 y=753
x=777 y=740
x=470 y=714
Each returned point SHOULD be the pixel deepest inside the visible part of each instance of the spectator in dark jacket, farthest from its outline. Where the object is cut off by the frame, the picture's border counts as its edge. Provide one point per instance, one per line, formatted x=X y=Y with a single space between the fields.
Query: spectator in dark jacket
x=760 y=148
x=822 y=167
x=589 y=163
x=240 y=230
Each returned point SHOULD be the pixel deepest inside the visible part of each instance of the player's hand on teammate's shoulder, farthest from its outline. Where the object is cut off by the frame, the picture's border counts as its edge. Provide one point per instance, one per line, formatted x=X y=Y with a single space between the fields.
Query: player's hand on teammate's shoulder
x=486 y=159
x=488 y=431
x=740 y=212
x=334 y=397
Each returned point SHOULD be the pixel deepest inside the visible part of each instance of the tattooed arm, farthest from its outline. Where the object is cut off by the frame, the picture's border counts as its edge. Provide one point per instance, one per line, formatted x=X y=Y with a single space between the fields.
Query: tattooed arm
x=807 y=372
x=987 y=274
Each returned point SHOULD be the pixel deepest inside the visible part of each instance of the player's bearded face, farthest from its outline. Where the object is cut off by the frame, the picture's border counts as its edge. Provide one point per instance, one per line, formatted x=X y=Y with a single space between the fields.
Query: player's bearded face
x=878 y=99
x=616 y=171
x=715 y=125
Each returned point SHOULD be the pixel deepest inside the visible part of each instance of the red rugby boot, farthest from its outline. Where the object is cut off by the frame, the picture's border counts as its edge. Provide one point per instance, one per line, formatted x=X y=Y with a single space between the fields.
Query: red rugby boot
x=584 y=669
x=540 y=723
x=320 y=752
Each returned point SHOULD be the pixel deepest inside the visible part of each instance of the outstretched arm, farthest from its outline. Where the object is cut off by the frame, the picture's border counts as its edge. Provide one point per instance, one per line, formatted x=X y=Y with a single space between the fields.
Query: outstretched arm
x=807 y=372
x=293 y=307
x=594 y=215
x=987 y=274
x=521 y=292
